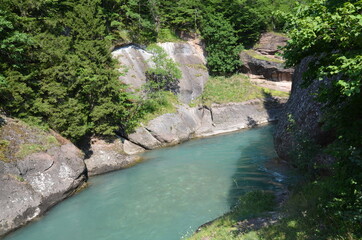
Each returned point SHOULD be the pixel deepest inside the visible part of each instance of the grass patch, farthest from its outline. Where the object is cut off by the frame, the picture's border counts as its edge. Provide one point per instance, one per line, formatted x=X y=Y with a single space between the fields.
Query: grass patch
x=274 y=93
x=27 y=149
x=4 y=146
x=197 y=66
x=167 y=35
x=157 y=104
x=319 y=210
x=30 y=148
x=251 y=204
x=255 y=55
x=237 y=88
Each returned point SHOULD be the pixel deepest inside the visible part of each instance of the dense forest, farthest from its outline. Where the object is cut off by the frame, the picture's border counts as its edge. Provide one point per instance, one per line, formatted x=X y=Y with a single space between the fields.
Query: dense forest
x=56 y=71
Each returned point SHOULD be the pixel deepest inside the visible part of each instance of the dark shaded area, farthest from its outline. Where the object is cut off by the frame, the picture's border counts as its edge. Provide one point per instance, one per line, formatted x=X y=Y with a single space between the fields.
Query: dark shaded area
x=273 y=105
x=85 y=144
x=251 y=122
x=251 y=155
x=2 y=121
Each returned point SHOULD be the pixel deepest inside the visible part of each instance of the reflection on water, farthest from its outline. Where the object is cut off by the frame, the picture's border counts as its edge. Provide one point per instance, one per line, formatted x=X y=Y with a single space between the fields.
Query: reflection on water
x=171 y=194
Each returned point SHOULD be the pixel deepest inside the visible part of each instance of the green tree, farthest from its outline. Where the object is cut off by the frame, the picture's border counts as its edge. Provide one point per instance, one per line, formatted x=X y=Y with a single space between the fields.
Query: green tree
x=330 y=31
x=72 y=84
x=165 y=74
x=221 y=45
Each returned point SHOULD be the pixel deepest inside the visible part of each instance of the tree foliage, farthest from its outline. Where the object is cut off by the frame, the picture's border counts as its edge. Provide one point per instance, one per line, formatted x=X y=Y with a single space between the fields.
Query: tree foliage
x=221 y=45
x=69 y=80
x=55 y=62
x=331 y=32
x=165 y=74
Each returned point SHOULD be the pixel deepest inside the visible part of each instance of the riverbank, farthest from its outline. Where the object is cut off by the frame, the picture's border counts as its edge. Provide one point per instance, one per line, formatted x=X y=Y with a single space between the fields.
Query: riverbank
x=255 y=210
x=174 y=191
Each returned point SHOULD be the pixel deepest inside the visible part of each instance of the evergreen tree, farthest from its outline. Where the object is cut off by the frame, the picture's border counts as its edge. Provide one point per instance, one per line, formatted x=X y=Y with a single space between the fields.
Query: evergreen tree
x=221 y=45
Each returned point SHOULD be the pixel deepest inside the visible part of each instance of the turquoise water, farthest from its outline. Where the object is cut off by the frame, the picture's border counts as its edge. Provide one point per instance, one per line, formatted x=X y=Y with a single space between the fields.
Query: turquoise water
x=166 y=197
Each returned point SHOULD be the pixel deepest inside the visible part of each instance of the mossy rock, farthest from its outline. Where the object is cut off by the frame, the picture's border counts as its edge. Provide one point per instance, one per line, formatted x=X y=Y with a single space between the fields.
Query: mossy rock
x=18 y=139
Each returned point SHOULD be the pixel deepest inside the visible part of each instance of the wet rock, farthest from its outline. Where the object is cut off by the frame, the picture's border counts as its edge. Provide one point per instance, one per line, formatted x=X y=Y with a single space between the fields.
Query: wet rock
x=36 y=172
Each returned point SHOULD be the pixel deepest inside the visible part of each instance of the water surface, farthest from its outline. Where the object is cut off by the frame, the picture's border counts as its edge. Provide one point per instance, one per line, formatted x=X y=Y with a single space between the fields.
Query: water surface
x=168 y=196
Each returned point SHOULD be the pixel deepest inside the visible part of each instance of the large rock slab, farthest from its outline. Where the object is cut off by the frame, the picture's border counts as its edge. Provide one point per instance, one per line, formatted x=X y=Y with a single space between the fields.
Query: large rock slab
x=173 y=128
x=190 y=122
x=189 y=56
x=263 y=59
x=269 y=69
x=37 y=170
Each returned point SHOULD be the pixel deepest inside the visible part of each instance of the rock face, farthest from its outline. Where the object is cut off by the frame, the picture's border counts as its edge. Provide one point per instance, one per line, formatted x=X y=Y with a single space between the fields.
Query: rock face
x=301 y=117
x=173 y=128
x=37 y=170
x=189 y=55
x=111 y=155
x=262 y=59
x=270 y=70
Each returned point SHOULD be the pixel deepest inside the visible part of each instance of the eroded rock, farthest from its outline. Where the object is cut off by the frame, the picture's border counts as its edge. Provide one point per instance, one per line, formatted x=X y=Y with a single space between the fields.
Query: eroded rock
x=173 y=128
x=36 y=172
x=110 y=155
x=263 y=59
x=301 y=119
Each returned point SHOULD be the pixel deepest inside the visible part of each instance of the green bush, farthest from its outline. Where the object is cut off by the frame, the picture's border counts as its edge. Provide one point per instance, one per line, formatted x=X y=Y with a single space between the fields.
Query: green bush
x=165 y=75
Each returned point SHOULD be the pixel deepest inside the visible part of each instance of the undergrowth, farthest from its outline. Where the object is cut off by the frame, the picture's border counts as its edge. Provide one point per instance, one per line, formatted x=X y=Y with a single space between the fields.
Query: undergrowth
x=255 y=55
x=157 y=104
x=252 y=204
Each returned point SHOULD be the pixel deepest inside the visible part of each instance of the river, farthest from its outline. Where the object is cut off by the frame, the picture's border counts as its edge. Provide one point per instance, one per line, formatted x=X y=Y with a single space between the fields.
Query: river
x=166 y=197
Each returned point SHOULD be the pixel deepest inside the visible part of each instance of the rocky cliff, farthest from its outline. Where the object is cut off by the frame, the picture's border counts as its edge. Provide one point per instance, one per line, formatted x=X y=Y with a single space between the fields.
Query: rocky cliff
x=263 y=60
x=37 y=170
x=301 y=119
x=134 y=60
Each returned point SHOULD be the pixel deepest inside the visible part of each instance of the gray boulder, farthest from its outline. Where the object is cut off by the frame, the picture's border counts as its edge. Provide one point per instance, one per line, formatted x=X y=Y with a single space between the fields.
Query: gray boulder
x=37 y=170
x=110 y=155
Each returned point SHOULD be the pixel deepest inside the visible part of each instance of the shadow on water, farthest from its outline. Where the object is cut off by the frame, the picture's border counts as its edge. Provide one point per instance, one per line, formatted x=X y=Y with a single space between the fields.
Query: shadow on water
x=254 y=155
x=250 y=174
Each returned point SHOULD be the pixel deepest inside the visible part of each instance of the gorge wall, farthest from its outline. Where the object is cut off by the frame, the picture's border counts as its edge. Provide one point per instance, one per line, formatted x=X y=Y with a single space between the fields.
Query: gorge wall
x=301 y=119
